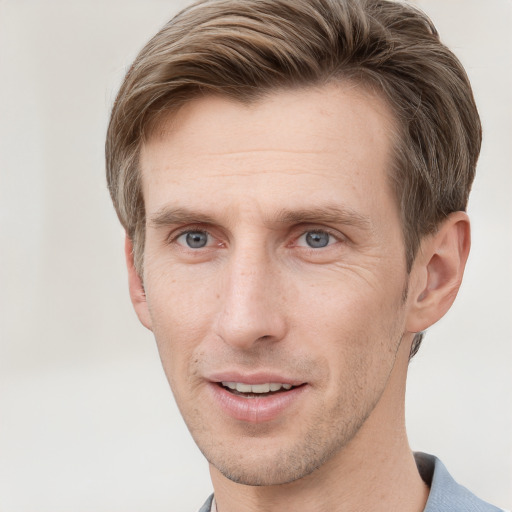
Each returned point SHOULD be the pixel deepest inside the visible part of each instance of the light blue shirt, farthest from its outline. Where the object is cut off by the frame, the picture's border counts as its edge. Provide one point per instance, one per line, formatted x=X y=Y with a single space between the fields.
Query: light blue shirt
x=446 y=495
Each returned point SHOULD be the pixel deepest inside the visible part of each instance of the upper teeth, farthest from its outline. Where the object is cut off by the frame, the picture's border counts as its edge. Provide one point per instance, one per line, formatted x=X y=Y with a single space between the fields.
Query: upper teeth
x=256 y=388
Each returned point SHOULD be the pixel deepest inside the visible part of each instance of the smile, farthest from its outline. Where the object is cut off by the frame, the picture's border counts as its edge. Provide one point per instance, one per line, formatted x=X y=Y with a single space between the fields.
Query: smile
x=256 y=390
x=258 y=402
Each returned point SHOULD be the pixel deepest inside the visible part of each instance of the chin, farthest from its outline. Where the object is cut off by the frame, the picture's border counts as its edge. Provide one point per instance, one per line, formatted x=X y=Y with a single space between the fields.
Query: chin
x=267 y=473
x=275 y=465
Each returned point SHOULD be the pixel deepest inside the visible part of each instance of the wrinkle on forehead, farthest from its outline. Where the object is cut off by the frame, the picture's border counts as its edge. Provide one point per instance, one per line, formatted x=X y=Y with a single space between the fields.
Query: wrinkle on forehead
x=264 y=150
x=318 y=144
x=171 y=125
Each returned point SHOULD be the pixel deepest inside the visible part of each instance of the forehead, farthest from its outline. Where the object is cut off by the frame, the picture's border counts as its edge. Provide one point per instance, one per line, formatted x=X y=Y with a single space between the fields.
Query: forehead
x=293 y=143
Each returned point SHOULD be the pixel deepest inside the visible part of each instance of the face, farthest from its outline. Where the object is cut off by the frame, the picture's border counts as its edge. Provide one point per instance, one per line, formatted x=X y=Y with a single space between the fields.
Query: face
x=274 y=274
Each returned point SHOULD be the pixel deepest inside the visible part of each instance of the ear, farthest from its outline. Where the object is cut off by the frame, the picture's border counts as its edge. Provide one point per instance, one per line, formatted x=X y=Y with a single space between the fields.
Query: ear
x=136 y=286
x=437 y=272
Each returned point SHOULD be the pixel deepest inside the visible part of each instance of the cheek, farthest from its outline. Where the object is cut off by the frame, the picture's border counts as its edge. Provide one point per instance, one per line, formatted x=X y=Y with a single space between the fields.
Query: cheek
x=345 y=304
x=356 y=328
x=182 y=309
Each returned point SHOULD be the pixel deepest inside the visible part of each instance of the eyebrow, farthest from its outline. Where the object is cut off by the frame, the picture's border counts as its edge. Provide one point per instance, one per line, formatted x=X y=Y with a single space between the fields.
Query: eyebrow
x=326 y=214
x=168 y=216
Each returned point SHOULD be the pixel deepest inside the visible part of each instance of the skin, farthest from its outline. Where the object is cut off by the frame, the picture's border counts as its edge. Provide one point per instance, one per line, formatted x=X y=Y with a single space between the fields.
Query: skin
x=255 y=180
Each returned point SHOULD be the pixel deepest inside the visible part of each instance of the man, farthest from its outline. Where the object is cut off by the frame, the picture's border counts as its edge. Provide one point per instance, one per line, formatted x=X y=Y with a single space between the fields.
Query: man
x=292 y=177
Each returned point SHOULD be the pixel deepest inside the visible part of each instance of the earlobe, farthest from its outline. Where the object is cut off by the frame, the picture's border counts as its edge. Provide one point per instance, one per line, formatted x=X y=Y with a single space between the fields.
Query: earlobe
x=136 y=286
x=438 y=271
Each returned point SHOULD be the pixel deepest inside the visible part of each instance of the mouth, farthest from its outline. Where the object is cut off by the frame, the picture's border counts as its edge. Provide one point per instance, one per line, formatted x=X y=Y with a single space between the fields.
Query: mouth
x=257 y=390
x=257 y=401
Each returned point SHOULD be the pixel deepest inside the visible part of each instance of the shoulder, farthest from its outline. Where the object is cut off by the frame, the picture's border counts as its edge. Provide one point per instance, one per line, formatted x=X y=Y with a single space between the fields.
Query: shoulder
x=446 y=495
x=207 y=505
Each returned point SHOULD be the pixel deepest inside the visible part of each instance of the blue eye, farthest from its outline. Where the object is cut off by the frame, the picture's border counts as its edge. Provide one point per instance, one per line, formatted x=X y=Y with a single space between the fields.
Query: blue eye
x=194 y=239
x=316 y=239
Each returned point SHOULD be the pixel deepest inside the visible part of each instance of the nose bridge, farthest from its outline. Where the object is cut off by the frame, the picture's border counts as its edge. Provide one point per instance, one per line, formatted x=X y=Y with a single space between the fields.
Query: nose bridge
x=249 y=309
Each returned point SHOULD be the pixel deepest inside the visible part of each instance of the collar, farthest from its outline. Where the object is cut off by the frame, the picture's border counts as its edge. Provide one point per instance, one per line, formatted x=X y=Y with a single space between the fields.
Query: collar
x=446 y=495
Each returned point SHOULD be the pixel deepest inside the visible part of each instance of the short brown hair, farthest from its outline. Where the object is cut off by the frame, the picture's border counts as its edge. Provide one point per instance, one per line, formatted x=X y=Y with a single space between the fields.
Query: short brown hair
x=245 y=49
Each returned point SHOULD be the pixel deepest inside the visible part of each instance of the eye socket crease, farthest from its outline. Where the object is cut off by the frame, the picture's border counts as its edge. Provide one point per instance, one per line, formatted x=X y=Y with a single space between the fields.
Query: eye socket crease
x=308 y=220
x=330 y=214
x=184 y=235
x=314 y=239
x=195 y=239
x=209 y=239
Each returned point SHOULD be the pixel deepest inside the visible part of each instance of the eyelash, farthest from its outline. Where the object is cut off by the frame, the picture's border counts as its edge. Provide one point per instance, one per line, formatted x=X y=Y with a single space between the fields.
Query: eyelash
x=333 y=238
x=173 y=238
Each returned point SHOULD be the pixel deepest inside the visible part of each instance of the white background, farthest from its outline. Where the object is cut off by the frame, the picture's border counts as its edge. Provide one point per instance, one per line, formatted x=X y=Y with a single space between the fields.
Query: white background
x=87 y=422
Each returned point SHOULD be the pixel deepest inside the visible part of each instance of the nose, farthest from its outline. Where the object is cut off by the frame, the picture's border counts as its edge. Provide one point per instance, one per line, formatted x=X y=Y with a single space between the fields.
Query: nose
x=252 y=307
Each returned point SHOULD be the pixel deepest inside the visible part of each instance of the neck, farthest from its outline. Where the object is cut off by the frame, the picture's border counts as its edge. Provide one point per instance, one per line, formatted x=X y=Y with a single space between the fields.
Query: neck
x=375 y=471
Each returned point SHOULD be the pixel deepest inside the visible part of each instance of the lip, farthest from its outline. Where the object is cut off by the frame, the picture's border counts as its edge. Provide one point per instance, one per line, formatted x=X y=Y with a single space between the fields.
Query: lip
x=253 y=378
x=259 y=409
